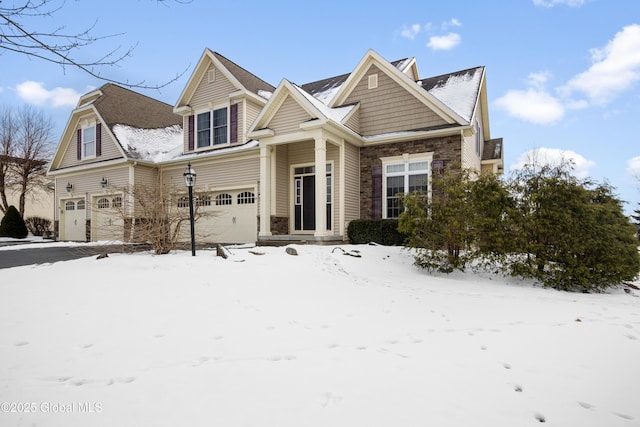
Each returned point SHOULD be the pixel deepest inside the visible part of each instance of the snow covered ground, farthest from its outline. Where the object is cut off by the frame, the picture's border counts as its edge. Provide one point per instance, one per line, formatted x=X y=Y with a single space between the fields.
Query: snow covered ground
x=318 y=339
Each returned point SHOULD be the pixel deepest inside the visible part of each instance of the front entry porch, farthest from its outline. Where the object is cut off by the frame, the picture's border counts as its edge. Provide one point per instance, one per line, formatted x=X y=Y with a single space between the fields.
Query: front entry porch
x=300 y=192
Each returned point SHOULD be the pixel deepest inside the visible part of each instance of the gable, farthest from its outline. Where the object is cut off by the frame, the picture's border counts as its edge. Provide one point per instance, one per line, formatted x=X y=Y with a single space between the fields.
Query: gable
x=107 y=148
x=288 y=117
x=389 y=107
x=214 y=86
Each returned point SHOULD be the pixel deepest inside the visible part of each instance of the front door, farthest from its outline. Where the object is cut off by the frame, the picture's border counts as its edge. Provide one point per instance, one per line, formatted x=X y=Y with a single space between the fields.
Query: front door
x=74 y=220
x=305 y=203
x=304 y=189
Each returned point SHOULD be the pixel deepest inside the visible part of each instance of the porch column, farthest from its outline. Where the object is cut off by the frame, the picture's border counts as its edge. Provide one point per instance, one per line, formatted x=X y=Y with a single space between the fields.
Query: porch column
x=265 y=191
x=321 y=187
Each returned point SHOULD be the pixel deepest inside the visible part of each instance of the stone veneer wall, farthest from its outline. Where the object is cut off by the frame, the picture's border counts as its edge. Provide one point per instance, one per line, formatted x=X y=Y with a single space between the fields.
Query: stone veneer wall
x=447 y=150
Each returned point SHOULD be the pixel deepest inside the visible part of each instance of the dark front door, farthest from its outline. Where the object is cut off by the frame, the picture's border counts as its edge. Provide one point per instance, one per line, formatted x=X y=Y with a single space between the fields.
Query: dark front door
x=305 y=205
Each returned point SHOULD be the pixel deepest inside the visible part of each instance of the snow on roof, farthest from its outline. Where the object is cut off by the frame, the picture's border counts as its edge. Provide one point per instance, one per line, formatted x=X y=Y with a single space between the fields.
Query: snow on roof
x=336 y=114
x=460 y=92
x=153 y=145
x=265 y=94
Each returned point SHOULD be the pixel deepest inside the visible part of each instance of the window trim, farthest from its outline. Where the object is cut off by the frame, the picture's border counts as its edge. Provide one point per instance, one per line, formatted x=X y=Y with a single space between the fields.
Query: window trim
x=211 y=128
x=83 y=140
x=405 y=160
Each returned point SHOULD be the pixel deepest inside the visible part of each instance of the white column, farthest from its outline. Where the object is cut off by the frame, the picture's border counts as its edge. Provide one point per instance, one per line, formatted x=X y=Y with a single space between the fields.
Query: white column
x=321 y=187
x=265 y=191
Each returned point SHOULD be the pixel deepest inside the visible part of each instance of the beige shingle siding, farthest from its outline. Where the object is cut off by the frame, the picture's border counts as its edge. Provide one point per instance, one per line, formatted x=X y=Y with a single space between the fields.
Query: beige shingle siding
x=217 y=91
x=288 y=117
x=110 y=150
x=354 y=121
x=388 y=108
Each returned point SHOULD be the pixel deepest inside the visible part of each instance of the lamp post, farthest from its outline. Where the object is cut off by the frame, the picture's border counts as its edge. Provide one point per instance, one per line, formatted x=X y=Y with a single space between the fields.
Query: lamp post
x=190 y=180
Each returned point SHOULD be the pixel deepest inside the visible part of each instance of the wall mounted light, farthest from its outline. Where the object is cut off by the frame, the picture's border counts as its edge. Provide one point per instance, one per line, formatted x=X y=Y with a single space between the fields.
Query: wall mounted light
x=69 y=187
x=104 y=182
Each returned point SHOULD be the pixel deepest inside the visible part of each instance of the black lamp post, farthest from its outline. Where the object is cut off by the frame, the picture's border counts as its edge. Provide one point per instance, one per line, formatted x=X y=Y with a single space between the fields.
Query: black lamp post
x=190 y=180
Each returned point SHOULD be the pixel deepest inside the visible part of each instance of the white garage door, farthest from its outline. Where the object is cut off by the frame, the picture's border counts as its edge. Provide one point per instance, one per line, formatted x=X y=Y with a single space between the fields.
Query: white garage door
x=107 y=223
x=230 y=217
x=73 y=220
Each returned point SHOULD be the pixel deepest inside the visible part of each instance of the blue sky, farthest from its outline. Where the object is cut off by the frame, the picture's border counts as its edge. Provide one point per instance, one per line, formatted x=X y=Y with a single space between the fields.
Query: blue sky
x=563 y=76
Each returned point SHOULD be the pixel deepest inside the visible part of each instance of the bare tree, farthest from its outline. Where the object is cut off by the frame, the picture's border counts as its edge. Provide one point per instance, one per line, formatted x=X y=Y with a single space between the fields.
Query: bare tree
x=26 y=137
x=155 y=214
x=58 y=46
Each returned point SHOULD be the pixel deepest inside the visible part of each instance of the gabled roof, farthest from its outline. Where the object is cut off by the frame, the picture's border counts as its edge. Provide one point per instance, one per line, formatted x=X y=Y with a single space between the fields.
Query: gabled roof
x=117 y=108
x=458 y=90
x=240 y=78
x=118 y=105
x=325 y=89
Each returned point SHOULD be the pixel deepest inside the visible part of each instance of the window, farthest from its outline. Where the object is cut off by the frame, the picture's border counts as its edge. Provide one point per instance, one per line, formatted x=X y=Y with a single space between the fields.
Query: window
x=211 y=128
x=103 y=203
x=116 y=202
x=403 y=175
x=80 y=206
x=69 y=206
x=246 y=198
x=183 y=202
x=203 y=200
x=223 y=199
x=89 y=142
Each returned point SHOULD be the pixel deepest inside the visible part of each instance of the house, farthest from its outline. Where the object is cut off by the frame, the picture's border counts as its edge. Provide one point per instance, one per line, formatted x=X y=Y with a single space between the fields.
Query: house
x=292 y=162
x=38 y=201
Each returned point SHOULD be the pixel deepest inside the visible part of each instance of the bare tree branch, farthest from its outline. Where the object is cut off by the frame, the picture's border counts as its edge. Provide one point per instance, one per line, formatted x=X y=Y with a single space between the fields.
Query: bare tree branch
x=61 y=48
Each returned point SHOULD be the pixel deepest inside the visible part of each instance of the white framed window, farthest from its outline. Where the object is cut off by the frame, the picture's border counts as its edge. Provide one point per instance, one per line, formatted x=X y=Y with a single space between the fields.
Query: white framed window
x=183 y=202
x=203 y=200
x=89 y=142
x=69 y=206
x=404 y=174
x=103 y=203
x=212 y=128
x=246 y=198
x=224 y=199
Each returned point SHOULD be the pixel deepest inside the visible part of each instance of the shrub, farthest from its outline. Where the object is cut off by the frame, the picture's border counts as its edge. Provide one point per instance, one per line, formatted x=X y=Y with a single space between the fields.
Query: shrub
x=37 y=225
x=12 y=224
x=382 y=231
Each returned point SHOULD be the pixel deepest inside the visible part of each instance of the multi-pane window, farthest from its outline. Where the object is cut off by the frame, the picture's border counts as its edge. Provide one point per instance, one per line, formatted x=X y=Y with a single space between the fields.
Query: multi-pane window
x=89 y=141
x=183 y=202
x=203 y=200
x=404 y=177
x=246 y=197
x=70 y=206
x=224 y=199
x=103 y=203
x=211 y=128
x=116 y=202
x=80 y=205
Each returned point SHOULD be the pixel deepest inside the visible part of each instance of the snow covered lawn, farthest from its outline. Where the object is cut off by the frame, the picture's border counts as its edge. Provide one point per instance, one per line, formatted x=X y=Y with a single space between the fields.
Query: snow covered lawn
x=318 y=339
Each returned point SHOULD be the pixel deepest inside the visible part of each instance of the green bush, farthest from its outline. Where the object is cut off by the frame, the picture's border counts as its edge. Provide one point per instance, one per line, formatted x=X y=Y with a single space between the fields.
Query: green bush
x=381 y=231
x=12 y=224
x=37 y=225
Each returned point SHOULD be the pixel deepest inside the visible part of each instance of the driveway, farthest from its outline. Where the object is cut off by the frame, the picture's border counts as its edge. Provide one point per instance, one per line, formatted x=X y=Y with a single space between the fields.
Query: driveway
x=41 y=255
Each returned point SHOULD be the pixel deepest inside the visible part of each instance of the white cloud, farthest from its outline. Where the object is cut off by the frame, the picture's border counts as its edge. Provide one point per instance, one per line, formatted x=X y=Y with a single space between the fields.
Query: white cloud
x=633 y=167
x=411 y=32
x=615 y=68
x=554 y=157
x=453 y=22
x=445 y=42
x=533 y=105
x=35 y=93
x=551 y=3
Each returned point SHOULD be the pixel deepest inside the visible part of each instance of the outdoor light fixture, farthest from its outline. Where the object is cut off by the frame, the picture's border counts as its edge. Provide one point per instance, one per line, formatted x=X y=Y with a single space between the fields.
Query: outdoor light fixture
x=104 y=182
x=69 y=187
x=190 y=181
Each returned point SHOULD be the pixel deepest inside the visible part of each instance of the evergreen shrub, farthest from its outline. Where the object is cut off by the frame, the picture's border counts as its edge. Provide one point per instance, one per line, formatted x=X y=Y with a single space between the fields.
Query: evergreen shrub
x=381 y=231
x=12 y=224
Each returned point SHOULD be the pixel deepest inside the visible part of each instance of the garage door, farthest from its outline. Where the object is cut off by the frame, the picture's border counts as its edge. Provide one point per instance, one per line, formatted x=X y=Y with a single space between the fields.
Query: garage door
x=230 y=217
x=74 y=220
x=107 y=223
